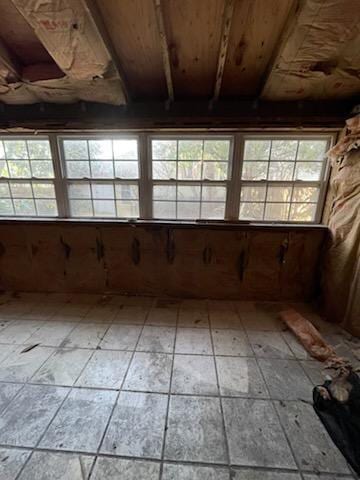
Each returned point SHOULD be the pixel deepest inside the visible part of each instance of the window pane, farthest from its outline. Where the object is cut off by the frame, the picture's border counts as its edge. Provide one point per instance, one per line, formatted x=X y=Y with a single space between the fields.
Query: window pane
x=281 y=171
x=24 y=206
x=104 y=208
x=277 y=211
x=189 y=171
x=75 y=150
x=21 y=190
x=212 y=210
x=188 y=210
x=215 y=170
x=3 y=169
x=214 y=193
x=305 y=194
x=254 y=171
x=216 y=149
x=127 y=192
x=164 y=209
x=102 y=169
x=251 y=211
x=4 y=190
x=310 y=171
x=164 y=192
x=191 y=192
x=190 y=149
x=46 y=208
x=19 y=169
x=303 y=212
x=164 y=149
x=79 y=190
x=42 y=169
x=6 y=207
x=253 y=193
x=2 y=151
x=39 y=149
x=101 y=190
x=78 y=169
x=127 y=208
x=278 y=194
x=283 y=149
x=100 y=149
x=312 y=149
x=125 y=149
x=16 y=149
x=126 y=170
x=44 y=190
x=81 y=208
x=257 y=150
x=164 y=170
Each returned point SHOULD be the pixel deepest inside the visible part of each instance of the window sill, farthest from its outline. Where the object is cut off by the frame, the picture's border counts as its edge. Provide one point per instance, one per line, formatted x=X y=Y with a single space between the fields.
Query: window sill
x=217 y=224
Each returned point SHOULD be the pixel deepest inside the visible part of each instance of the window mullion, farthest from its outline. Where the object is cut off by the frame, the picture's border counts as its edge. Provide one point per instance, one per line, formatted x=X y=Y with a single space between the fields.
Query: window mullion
x=59 y=180
x=234 y=182
x=145 y=186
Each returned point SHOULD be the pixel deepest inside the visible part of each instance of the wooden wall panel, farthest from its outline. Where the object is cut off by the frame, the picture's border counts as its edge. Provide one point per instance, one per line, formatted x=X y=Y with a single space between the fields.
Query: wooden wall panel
x=193 y=29
x=255 y=30
x=132 y=27
x=245 y=263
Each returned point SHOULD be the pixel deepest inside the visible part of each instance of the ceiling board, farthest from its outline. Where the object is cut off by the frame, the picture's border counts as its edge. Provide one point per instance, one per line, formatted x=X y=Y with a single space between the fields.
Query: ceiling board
x=256 y=27
x=132 y=27
x=193 y=30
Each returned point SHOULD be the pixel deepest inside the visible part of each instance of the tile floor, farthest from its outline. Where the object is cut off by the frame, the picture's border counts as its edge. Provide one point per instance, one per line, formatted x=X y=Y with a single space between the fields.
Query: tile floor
x=138 y=388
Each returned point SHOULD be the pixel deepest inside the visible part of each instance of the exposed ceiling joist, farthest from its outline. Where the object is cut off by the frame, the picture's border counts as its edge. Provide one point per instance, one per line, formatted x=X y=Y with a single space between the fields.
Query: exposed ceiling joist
x=164 y=49
x=289 y=25
x=225 y=34
x=71 y=32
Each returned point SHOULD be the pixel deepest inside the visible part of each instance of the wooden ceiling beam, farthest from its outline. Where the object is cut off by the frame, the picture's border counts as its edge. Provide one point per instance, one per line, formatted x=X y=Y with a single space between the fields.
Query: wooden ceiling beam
x=225 y=34
x=288 y=27
x=164 y=49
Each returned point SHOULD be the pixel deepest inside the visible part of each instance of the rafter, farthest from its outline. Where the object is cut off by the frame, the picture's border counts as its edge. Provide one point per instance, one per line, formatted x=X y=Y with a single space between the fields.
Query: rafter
x=164 y=48
x=225 y=34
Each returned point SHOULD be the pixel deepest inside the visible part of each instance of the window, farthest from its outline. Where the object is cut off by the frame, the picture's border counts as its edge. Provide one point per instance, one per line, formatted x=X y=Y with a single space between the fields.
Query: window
x=102 y=176
x=250 y=177
x=190 y=177
x=26 y=178
x=282 y=178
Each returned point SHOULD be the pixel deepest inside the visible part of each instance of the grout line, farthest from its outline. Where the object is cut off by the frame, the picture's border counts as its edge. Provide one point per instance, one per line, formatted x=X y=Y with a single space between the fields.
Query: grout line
x=168 y=399
x=116 y=400
x=227 y=448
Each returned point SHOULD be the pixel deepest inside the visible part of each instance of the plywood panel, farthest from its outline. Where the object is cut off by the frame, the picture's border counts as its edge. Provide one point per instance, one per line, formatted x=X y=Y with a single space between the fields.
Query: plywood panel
x=193 y=29
x=132 y=27
x=255 y=30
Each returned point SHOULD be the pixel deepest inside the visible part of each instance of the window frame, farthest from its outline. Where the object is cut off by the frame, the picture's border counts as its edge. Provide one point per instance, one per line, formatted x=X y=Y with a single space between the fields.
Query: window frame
x=233 y=183
x=31 y=179
x=203 y=182
x=66 y=181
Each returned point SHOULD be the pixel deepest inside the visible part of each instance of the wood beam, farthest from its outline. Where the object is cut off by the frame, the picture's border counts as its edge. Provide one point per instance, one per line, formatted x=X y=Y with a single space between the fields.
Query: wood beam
x=285 y=33
x=164 y=49
x=72 y=33
x=9 y=68
x=225 y=34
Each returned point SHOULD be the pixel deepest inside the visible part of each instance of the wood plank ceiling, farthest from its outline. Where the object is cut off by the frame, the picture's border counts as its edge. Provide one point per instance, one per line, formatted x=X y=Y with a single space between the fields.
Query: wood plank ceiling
x=140 y=50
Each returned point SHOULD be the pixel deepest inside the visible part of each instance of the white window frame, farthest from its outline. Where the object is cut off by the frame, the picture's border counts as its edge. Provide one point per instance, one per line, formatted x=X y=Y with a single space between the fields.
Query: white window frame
x=203 y=182
x=233 y=183
x=106 y=181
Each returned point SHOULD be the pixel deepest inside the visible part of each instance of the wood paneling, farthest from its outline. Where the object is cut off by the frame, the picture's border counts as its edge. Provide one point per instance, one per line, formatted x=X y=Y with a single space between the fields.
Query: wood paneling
x=132 y=27
x=205 y=262
x=193 y=29
x=256 y=27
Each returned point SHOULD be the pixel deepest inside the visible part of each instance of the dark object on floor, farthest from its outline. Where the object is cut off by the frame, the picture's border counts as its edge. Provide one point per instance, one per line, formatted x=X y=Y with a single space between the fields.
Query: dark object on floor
x=29 y=348
x=337 y=403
